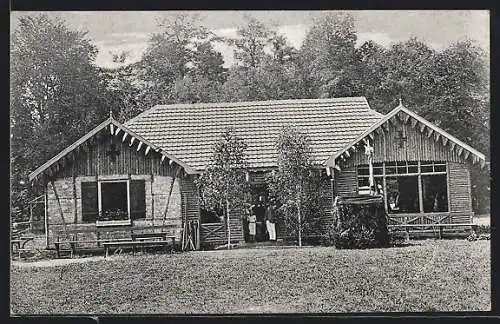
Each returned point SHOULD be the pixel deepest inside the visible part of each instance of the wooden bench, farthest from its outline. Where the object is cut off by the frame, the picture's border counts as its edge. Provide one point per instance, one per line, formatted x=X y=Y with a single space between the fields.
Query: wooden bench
x=72 y=244
x=152 y=235
x=70 y=236
x=138 y=243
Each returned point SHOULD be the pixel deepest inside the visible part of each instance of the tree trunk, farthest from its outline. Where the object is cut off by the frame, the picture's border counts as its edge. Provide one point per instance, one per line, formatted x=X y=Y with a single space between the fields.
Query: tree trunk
x=228 y=225
x=299 y=215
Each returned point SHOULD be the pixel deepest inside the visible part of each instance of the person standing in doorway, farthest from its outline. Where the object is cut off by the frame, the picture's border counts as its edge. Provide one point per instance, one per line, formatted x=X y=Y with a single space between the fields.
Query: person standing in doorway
x=251 y=224
x=259 y=211
x=270 y=220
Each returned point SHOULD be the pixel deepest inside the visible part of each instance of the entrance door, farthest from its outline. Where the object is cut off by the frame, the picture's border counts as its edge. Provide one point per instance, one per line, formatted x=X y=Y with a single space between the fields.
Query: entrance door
x=260 y=196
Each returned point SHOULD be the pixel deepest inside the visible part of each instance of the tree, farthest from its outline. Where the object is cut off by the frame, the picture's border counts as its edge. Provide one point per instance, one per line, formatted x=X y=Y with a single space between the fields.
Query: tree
x=252 y=39
x=458 y=100
x=328 y=55
x=266 y=66
x=57 y=94
x=369 y=73
x=126 y=96
x=457 y=93
x=296 y=182
x=223 y=185
x=177 y=58
x=407 y=64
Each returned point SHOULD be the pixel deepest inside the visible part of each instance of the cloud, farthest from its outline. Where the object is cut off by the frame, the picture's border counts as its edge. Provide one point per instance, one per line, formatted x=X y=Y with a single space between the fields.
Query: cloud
x=105 y=56
x=136 y=43
x=294 y=33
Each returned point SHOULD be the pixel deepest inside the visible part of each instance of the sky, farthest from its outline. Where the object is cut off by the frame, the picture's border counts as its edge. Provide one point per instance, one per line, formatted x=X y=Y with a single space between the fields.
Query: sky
x=117 y=31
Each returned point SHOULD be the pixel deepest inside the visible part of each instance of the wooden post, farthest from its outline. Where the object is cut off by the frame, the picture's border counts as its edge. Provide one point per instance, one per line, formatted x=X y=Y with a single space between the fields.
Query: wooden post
x=75 y=220
x=228 y=225
x=152 y=196
x=46 y=218
x=384 y=184
x=31 y=217
x=332 y=189
x=60 y=208
x=197 y=235
x=299 y=193
x=420 y=194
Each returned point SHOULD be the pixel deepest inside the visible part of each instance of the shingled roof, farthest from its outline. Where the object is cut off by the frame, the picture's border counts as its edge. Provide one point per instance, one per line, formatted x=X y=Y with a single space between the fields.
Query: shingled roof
x=189 y=131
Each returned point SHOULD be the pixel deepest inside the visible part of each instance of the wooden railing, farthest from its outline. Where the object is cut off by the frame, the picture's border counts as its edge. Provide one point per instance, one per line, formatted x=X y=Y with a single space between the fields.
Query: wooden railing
x=419 y=219
x=420 y=223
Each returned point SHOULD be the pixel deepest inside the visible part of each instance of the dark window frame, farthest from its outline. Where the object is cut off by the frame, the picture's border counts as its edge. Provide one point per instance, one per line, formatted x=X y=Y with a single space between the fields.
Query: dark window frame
x=99 y=197
x=424 y=168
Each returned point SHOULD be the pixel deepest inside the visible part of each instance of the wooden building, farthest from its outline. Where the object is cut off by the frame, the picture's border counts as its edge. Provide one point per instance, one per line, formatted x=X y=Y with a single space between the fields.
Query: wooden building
x=139 y=176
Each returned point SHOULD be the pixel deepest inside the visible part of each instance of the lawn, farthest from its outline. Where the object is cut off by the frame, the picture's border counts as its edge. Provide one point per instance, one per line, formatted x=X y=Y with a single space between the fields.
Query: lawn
x=431 y=275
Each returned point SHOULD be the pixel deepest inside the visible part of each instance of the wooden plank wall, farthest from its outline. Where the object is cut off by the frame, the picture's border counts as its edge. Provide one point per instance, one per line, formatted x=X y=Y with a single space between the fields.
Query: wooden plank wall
x=190 y=204
x=346 y=181
x=418 y=146
x=93 y=157
x=91 y=162
x=459 y=187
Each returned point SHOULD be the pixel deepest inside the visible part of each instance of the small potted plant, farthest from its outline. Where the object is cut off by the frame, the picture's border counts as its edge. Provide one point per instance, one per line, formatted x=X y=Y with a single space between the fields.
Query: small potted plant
x=113 y=217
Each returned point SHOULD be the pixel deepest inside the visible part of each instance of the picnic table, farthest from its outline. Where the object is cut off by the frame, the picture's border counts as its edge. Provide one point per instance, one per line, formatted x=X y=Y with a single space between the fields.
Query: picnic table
x=19 y=243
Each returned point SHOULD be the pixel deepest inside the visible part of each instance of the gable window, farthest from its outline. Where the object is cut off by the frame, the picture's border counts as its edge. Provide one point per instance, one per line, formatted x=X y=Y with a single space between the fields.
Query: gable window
x=113 y=202
x=406 y=183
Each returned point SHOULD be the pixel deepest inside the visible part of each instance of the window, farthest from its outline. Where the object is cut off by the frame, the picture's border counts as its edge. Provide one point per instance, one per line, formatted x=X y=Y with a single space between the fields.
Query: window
x=115 y=202
x=402 y=185
x=434 y=193
x=364 y=177
x=402 y=194
x=90 y=207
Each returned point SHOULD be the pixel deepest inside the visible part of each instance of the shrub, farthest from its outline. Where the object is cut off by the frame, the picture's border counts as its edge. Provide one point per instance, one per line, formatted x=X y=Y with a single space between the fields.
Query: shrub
x=360 y=222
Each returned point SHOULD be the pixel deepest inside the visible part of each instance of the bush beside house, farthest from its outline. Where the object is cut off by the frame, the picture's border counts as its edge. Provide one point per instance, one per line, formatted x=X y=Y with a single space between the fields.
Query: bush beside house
x=360 y=222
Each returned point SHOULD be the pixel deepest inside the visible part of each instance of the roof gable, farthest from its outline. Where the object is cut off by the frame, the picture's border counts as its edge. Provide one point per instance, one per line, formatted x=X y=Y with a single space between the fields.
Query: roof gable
x=416 y=121
x=115 y=128
x=190 y=130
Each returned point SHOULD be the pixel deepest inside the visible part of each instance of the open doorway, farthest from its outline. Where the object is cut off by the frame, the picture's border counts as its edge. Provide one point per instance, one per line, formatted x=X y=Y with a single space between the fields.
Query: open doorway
x=259 y=198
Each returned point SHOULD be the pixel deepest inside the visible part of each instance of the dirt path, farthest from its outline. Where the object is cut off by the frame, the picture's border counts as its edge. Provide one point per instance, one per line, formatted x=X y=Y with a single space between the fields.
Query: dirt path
x=58 y=262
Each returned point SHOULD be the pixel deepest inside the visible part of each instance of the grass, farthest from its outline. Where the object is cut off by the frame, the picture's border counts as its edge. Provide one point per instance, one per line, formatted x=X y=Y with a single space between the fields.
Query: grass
x=431 y=275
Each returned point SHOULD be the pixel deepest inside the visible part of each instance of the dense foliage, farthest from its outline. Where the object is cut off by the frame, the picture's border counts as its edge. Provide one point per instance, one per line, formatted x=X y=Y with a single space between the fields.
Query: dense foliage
x=296 y=184
x=58 y=93
x=360 y=222
x=223 y=185
x=56 y=96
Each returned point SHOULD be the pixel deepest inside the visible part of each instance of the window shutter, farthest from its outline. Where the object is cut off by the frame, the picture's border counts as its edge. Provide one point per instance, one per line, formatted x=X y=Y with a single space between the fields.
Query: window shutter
x=137 y=199
x=90 y=207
